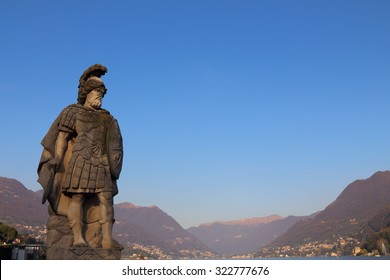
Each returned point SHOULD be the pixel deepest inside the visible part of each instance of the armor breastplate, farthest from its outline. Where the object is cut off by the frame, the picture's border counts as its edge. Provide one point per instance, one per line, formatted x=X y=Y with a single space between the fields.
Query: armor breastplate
x=91 y=128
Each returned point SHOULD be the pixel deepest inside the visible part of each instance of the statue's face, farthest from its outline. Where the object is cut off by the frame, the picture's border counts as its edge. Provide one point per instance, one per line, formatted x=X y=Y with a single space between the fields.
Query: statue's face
x=94 y=99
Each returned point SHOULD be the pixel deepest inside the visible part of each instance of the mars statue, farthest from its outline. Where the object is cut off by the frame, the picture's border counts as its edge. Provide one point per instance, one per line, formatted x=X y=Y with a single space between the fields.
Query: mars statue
x=79 y=168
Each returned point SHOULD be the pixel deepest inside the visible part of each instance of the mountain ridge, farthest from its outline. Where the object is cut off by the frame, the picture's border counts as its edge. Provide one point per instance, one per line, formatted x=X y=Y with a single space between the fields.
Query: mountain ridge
x=241 y=237
x=348 y=215
x=245 y=221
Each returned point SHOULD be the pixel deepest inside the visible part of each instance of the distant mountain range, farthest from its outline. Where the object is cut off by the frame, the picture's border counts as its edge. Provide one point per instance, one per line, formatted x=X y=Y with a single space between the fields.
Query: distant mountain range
x=361 y=209
x=152 y=226
x=240 y=237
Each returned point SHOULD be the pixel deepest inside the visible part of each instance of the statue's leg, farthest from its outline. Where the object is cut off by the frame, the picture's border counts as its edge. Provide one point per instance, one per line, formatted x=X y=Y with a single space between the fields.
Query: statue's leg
x=75 y=217
x=107 y=217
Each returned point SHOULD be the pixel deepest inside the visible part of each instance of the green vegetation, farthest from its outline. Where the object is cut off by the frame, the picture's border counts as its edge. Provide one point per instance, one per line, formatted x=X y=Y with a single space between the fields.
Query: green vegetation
x=379 y=242
x=7 y=234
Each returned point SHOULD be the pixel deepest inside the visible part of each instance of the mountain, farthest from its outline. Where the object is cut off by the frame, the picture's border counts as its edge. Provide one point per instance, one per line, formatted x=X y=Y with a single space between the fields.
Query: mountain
x=242 y=236
x=18 y=205
x=361 y=203
x=144 y=226
x=152 y=226
x=380 y=220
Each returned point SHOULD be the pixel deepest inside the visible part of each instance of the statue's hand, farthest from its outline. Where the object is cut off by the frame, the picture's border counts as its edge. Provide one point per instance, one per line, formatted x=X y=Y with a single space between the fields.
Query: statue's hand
x=54 y=163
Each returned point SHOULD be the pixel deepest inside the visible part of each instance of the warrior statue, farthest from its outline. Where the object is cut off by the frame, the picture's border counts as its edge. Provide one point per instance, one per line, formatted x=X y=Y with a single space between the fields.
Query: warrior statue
x=82 y=160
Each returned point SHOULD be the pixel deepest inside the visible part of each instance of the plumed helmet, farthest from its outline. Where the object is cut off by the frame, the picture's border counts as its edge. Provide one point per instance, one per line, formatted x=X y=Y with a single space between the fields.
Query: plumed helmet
x=90 y=80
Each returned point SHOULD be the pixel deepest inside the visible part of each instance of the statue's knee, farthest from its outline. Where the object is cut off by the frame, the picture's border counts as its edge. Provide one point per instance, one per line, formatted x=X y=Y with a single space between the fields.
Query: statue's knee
x=105 y=198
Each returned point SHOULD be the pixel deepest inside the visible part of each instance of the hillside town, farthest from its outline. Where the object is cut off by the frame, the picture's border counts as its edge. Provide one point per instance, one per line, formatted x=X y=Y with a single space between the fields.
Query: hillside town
x=342 y=246
x=37 y=234
x=137 y=251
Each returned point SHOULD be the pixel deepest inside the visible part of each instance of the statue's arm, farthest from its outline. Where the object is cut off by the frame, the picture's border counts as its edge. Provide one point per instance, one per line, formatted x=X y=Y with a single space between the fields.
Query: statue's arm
x=60 y=148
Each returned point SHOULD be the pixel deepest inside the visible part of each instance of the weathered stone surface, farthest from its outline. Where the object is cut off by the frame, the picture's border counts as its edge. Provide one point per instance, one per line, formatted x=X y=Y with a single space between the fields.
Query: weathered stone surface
x=84 y=253
x=58 y=231
x=79 y=167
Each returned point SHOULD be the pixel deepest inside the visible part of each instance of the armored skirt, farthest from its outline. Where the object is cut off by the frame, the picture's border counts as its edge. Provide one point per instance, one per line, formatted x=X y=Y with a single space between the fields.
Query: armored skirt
x=87 y=170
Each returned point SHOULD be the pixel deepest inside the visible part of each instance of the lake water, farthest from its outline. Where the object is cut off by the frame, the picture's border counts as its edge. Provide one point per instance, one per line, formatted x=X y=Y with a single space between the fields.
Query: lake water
x=365 y=258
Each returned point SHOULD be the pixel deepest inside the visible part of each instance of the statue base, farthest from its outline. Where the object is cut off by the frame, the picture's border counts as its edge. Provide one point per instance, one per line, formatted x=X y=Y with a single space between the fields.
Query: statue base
x=83 y=253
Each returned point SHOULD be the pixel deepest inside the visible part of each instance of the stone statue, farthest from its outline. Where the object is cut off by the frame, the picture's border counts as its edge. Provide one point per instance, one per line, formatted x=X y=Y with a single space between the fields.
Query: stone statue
x=79 y=167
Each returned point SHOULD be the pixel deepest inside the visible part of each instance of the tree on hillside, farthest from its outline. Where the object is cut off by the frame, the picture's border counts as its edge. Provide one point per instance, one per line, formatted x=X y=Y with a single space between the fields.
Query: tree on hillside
x=7 y=234
x=379 y=241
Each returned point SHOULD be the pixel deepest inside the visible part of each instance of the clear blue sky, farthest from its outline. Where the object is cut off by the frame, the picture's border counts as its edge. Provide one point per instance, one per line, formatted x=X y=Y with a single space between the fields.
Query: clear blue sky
x=228 y=109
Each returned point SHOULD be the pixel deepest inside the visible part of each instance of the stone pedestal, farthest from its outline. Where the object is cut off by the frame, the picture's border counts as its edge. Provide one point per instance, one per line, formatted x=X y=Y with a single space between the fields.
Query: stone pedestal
x=83 y=253
x=60 y=238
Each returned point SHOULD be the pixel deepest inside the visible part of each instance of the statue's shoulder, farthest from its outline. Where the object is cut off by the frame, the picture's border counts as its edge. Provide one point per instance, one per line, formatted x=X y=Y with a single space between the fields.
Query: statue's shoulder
x=106 y=113
x=71 y=109
x=67 y=117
